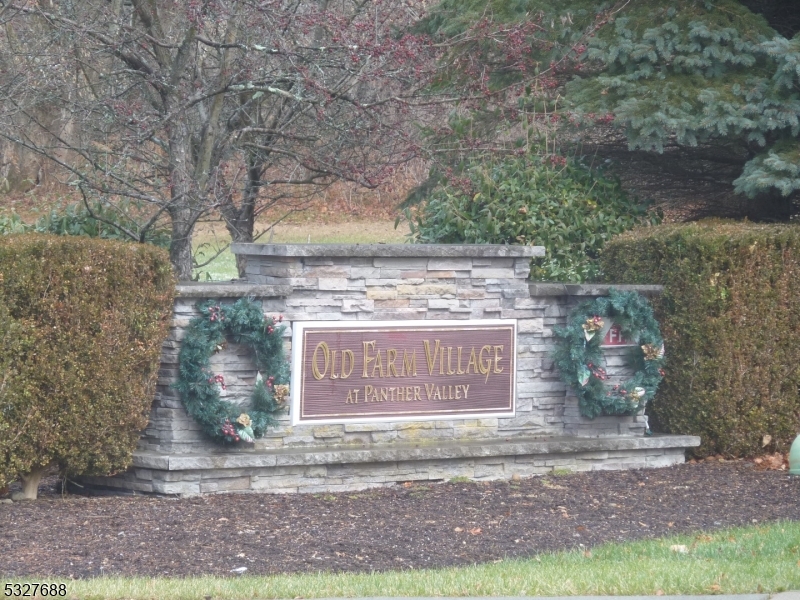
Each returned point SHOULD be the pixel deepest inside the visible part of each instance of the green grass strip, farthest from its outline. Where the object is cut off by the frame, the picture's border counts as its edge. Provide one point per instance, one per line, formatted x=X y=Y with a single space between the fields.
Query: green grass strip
x=732 y=561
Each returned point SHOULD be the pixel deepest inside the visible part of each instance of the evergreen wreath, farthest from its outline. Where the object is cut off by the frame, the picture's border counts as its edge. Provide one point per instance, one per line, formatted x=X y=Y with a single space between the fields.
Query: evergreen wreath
x=200 y=388
x=578 y=355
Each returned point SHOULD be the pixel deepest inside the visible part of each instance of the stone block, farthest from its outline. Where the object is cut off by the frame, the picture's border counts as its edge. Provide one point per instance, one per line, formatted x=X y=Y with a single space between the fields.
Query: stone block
x=430 y=289
x=312 y=302
x=443 y=303
x=398 y=313
x=367 y=427
x=374 y=294
x=535 y=325
x=418 y=274
x=490 y=471
x=470 y=293
x=526 y=421
x=492 y=273
x=182 y=488
x=383 y=437
x=358 y=305
x=328 y=431
x=515 y=293
x=449 y=264
x=396 y=303
x=401 y=262
x=365 y=273
x=336 y=272
x=227 y=484
x=332 y=283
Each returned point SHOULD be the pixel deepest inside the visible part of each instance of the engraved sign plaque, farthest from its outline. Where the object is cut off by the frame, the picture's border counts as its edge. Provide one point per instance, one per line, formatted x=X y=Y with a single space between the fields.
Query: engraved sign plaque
x=351 y=372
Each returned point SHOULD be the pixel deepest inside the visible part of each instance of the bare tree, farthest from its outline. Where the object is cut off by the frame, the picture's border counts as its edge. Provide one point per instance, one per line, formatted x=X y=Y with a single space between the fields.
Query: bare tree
x=180 y=109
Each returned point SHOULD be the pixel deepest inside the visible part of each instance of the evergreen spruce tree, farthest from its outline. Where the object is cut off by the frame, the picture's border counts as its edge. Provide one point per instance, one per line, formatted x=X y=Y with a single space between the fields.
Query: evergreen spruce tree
x=707 y=92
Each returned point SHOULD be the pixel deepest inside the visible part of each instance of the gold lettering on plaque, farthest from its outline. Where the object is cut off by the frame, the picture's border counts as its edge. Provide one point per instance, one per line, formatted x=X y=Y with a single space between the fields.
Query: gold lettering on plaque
x=378 y=365
x=485 y=367
x=450 y=370
x=326 y=355
x=497 y=359
x=348 y=354
x=409 y=364
x=367 y=358
x=391 y=356
x=458 y=365
x=333 y=365
x=473 y=360
x=431 y=358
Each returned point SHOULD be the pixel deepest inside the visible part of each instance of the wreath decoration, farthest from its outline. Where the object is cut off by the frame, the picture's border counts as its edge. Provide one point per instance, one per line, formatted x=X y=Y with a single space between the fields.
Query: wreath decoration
x=200 y=388
x=578 y=355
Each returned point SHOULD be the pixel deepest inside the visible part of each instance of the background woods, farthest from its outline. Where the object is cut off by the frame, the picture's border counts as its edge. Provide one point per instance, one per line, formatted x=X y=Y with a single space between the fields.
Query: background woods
x=168 y=111
x=160 y=114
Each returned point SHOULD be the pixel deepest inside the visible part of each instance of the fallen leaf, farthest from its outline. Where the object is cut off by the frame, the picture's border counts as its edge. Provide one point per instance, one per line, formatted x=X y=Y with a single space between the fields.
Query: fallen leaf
x=671 y=524
x=679 y=548
x=766 y=440
x=659 y=592
x=587 y=553
x=715 y=588
x=222 y=519
x=580 y=528
x=475 y=531
x=458 y=530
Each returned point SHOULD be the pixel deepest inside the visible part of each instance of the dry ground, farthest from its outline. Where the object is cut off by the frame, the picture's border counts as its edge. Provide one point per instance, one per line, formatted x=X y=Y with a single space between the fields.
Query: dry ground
x=401 y=527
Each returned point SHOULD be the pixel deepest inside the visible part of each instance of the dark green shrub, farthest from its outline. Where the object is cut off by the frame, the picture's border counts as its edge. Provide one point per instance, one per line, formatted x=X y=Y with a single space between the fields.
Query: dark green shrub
x=730 y=316
x=554 y=202
x=82 y=322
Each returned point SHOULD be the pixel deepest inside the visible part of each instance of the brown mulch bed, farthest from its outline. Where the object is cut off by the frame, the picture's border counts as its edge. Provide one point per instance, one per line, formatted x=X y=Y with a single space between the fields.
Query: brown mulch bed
x=402 y=527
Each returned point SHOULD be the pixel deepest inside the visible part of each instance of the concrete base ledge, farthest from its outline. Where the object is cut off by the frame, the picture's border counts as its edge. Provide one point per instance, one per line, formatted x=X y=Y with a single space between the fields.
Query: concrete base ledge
x=231 y=289
x=408 y=452
x=388 y=250
x=344 y=469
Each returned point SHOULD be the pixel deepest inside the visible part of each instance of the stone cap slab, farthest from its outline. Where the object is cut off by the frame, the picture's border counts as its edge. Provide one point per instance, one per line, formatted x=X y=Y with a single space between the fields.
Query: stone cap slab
x=348 y=454
x=590 y=289
x=230 y=289
x=389 y=250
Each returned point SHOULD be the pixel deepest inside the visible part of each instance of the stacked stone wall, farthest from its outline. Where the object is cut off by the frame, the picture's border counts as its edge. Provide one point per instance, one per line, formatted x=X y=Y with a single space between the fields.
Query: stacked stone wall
x=388 y=283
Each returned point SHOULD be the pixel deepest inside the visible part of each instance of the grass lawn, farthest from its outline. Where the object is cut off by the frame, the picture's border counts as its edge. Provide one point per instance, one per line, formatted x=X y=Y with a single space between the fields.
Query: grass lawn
x=211 y=236
x=732 y=561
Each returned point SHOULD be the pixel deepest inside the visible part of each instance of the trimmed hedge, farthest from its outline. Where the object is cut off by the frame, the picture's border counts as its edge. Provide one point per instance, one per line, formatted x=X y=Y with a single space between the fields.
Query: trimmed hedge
x=730 y=316
x=82 y=322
